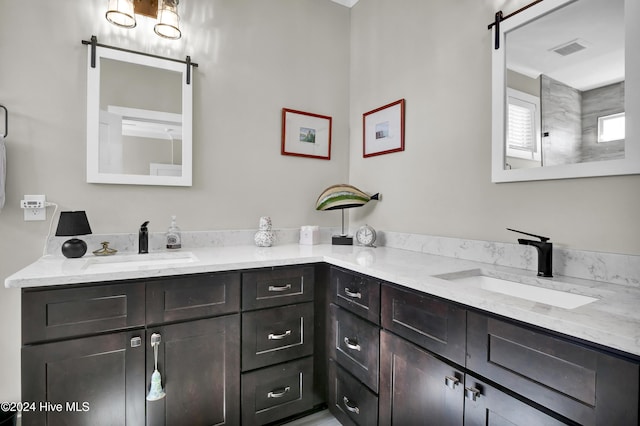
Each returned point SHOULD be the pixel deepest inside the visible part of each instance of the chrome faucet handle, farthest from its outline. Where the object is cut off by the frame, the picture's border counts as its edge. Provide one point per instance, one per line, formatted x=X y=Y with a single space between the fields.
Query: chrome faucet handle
x=543 y=239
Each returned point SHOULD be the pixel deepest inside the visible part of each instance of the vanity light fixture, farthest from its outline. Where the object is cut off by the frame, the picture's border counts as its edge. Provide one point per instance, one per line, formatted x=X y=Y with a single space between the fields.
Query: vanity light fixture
x=122 y=13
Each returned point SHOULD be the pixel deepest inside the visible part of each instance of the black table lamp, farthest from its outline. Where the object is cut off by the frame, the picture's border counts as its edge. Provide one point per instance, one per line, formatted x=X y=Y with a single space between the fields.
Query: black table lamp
x=340 y=197
x=72 y=224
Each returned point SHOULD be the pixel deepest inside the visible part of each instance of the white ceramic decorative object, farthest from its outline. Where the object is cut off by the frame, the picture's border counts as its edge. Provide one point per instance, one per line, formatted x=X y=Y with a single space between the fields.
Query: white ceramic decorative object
x=265 y=237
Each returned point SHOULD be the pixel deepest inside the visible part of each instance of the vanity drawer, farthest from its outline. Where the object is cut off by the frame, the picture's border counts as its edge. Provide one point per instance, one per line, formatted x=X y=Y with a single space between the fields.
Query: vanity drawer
x=350 y=401
x=357 y=293
x=192 y=296
x=277 y=287
x=584 y=385
x=75 y=311
x=276 y=335
x=276 y=392
x=434 y=324
x=355 y=345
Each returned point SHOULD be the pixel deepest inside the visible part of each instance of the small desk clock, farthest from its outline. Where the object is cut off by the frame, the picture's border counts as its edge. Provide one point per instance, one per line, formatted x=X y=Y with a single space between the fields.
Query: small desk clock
x=366 y=236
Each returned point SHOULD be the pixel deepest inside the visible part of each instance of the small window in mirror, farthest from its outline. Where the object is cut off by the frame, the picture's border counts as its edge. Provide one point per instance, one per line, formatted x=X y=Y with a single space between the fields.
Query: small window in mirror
x=611 y=127
x=523 y=125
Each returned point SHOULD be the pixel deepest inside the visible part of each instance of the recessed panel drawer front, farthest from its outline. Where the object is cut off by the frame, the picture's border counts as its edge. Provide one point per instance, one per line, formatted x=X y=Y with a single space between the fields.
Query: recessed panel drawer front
x=67 y=312
x=192 y=296
x=277 y=287
x=434 y=324
x=355 y=345
x=357 y=293
x=276 y=335
x=582 y=384
x=277 y=392
x=350 y=401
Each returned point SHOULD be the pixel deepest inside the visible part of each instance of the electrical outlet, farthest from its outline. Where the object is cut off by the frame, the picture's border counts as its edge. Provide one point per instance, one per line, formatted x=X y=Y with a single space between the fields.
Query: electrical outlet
x=34 y=207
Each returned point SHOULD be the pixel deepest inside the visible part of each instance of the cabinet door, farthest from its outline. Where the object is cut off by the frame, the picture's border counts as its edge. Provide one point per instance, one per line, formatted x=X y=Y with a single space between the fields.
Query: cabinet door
x=582 y=384
x=484 y=405
x=415 y=387
x=434 y=324
x=95 y=380
x=200 y=366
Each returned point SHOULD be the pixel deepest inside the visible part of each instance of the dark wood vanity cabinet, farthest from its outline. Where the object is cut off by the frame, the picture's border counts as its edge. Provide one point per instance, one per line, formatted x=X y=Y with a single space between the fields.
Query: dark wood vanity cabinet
x=416 y=385
x=453 y=365
x=278 y=330
x=585 y=385
x=91 y=344
x=354 y=347
x=235 y=348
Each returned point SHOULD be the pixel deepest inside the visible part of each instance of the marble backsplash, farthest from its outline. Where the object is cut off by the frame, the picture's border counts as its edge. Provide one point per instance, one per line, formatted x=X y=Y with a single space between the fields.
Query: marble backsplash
x=597 y=266
x=607 y=267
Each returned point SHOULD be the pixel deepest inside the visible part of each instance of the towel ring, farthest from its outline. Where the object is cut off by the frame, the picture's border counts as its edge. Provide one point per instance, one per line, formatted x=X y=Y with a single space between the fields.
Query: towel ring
x=6 y=121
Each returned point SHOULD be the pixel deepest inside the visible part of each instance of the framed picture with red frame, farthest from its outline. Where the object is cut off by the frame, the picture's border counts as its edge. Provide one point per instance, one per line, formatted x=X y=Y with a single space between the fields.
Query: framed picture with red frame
x=305 y=134
x=383 y=129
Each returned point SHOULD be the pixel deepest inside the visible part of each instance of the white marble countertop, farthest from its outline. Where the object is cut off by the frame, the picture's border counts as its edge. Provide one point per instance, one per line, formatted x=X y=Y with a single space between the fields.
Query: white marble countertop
x=613 y=320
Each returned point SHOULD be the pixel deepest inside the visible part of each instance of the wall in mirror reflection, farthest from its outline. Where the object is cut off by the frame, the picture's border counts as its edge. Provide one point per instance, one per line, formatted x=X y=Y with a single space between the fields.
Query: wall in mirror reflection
x=140 y=120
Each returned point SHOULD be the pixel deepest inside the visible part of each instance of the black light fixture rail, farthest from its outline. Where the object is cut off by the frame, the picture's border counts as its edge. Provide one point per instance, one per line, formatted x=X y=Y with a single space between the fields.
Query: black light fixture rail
x=499 y=17
x=94 y=42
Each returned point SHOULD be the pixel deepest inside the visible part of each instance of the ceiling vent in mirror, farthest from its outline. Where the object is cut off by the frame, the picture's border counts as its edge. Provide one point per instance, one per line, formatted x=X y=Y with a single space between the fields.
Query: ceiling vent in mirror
x=571 y=47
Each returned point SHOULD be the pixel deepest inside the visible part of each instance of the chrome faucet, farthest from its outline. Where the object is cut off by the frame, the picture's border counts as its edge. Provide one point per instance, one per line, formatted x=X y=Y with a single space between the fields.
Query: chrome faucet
x=545 y=252
x=143 y=239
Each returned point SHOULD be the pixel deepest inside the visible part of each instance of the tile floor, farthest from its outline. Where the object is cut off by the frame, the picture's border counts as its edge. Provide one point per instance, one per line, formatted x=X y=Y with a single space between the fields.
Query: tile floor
x=321 y=418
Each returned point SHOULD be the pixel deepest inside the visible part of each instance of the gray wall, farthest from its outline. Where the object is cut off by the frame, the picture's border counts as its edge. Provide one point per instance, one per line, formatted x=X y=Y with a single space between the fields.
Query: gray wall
x=437 y=55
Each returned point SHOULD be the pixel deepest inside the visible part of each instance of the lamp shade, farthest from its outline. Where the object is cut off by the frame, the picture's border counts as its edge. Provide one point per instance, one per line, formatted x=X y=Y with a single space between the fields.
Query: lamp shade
x=121 y=13
x=71 y=224
x=343 y=196
x=168 y=25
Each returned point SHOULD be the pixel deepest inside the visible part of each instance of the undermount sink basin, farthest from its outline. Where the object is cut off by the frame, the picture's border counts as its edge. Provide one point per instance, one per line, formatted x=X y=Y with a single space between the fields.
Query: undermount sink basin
x=561 y=299
x=109 y=263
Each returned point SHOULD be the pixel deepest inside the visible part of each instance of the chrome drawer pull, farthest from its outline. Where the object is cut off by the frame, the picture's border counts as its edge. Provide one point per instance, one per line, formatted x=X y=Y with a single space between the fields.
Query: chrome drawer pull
x=136 y=341
x=280 y=287
x=351 y=294
x=350 y=405
x=471 y=393
x=278 y=393
x=279 y=336
x=451 y=382
x=351 y=344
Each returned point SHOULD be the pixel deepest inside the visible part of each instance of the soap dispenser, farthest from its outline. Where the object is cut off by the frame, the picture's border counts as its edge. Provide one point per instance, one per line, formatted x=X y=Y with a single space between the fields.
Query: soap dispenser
x=174 y=241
